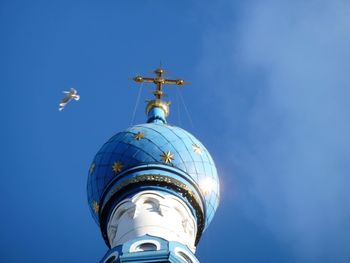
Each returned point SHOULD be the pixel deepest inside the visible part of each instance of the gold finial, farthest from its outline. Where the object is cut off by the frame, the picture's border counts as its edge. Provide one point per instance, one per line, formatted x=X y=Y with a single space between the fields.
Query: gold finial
x=159 y=80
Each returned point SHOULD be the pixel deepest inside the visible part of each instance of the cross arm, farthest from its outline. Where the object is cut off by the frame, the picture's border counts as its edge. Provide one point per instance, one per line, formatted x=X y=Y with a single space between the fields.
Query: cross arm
x=140 y=79
x=178 y=82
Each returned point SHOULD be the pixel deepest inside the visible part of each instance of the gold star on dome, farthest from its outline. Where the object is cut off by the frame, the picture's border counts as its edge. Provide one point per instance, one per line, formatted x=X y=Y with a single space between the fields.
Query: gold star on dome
x=92 y=168
x=167 y=157
x=197 y=149
x=138 y=136
x=117 y=167
x=95 y=206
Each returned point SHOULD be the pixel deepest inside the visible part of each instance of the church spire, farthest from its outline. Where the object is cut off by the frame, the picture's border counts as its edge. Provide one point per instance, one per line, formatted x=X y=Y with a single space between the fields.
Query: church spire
x=153 y=189
x=157 y=109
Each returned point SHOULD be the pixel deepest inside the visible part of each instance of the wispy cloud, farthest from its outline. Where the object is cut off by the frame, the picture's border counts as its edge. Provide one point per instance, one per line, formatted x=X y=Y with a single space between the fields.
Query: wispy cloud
x=284 y=79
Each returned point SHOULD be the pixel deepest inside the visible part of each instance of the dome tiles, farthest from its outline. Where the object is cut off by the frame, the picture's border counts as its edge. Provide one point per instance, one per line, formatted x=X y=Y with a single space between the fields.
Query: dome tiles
x=154 y=144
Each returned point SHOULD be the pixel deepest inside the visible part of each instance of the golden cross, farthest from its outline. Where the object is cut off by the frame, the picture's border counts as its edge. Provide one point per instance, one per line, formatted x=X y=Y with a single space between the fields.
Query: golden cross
x=159 y=81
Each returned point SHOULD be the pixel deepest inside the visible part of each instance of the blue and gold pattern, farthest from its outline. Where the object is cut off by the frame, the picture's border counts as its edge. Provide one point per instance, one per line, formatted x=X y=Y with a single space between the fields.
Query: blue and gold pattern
x=161 y=138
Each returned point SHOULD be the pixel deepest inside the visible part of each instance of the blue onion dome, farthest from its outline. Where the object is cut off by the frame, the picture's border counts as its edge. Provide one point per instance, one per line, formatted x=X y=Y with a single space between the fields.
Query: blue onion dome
x=154 y=155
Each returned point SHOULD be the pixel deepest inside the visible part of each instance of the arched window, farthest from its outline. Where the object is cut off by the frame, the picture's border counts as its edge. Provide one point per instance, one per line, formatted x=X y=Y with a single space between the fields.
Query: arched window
x=184 y=255
x=111 y=259
x=145 y=245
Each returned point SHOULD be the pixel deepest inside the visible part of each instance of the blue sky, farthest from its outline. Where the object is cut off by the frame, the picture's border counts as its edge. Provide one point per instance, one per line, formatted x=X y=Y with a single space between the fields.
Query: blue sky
x=269 y=97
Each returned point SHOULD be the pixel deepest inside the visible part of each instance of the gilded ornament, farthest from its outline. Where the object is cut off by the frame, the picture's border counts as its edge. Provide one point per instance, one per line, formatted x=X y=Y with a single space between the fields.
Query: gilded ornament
x=117 y=167
x=138 y=136
x=95 y=206
x=167 y=157
x=197 y=149
x=159 y=81
x=160 y=104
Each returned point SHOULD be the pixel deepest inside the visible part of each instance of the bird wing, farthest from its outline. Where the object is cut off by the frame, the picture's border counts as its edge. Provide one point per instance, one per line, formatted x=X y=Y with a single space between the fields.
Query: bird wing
x=66 y=99
x=72 y=94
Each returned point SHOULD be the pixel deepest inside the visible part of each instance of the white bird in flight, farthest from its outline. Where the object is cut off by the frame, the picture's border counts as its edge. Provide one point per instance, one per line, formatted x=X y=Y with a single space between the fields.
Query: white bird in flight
x=70 y=95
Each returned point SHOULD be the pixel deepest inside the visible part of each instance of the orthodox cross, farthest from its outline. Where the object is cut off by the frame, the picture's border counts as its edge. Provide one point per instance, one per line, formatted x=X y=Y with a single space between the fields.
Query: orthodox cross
x=159 y=81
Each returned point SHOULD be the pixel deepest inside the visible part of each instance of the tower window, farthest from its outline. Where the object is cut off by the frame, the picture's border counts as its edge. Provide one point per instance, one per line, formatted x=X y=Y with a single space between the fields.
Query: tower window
x=184 y=256
x=111 y=259
x=145 y=245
